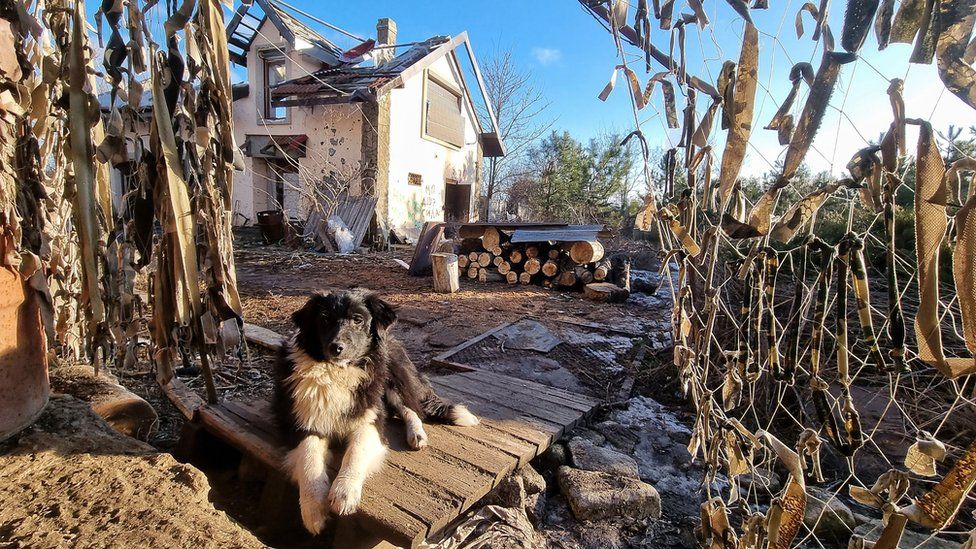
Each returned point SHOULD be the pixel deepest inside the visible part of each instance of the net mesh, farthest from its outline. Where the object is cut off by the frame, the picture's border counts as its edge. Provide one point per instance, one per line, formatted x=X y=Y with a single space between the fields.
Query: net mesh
x=796 y=308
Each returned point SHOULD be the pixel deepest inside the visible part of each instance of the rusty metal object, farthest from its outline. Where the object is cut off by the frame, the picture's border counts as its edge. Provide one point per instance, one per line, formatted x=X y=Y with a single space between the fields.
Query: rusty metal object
x=24 y=384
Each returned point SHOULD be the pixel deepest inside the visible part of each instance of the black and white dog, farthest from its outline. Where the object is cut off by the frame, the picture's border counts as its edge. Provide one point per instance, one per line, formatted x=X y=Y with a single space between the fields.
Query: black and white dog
x=334 y=381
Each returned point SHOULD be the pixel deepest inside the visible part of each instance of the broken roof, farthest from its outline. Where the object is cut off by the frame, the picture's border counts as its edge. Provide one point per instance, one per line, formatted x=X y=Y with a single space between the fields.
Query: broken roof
x=245 y=25
x=351 y=83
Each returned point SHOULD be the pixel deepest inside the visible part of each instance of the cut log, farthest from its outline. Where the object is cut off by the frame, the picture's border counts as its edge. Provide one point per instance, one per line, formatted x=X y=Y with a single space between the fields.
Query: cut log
x=497 y=260
x=471 y=231
x=512 y=277
x=515 y=256
x=484 y=259
x=550 y=268
x=445 y=268
x=473 y=271
x=496 y=250
x=531 y=251
x=125 y=411
x=473 y=256
x=463 y=261
x=533 y=266
x=493 y=238
x=602 y=270
x=586 y=252
x=525 y=279
x=486 y=275
x=605 y=292
x=567 y=279
x=554 y=253
x=469 y=245
x=584 y=274
x=504 y=267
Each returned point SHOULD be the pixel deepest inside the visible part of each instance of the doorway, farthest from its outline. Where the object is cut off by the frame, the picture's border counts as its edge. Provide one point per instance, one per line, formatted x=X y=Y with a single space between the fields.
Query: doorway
x=457 y=201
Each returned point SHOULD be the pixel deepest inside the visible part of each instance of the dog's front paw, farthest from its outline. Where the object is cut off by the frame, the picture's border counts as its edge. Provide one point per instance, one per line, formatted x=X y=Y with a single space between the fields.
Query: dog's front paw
x=416 y=437
x=314 y=513
x=345 y=496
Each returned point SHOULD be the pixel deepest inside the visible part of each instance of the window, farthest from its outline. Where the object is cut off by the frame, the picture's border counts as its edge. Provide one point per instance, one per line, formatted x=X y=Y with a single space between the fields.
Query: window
x=442 y=114
x=414 y=179
x=274 y=74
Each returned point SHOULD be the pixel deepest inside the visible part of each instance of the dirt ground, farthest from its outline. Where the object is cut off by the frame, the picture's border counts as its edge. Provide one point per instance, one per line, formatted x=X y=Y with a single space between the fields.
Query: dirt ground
x=69 y=480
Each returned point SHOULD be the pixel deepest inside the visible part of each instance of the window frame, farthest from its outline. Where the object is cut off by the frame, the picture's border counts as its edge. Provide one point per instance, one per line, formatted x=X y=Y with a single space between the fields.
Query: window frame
x=270 y=58
x=425 y=106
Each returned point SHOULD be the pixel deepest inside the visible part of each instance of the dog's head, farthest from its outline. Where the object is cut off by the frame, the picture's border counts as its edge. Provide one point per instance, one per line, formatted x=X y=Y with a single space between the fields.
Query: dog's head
x=342 y=327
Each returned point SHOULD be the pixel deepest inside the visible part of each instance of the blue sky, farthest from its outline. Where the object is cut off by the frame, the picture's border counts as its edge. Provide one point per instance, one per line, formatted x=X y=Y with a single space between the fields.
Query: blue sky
x=571 y=57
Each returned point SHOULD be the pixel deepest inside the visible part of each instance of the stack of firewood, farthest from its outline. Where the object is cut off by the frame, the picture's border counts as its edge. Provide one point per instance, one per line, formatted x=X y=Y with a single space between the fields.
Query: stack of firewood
x=492 y=257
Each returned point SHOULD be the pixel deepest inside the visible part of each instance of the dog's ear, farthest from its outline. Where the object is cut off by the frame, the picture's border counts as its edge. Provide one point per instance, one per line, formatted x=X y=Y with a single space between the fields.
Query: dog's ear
x=308 y=312
x=383 y=313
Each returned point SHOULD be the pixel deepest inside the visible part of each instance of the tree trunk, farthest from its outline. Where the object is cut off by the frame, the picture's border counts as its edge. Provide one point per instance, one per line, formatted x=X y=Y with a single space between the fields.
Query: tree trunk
x=586 y=252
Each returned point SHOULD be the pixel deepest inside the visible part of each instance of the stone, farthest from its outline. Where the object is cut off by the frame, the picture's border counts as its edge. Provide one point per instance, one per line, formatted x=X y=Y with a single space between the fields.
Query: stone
x=534 y=482
x=535 y=507
x=870 y=531
x=551 y=459
x=594 y=495
x=590 y=435
x=510 y=492
x=619 y=436
x=590 y=457
x=828 y=516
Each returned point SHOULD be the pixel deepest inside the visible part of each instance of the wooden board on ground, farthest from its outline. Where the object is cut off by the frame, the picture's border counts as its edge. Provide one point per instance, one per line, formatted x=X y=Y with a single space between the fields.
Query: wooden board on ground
x=262 y=336
x=418 y=493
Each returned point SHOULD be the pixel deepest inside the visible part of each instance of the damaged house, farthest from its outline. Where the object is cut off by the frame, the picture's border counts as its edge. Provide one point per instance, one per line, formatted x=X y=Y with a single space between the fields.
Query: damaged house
x=398 y=122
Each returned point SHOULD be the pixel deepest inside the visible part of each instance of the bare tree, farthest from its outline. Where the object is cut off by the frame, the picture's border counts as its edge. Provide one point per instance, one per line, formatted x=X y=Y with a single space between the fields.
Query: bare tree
x=520 y=109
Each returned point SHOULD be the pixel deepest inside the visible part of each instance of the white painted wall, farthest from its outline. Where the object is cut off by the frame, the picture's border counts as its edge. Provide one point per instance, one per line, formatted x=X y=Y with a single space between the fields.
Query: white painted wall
x=334 y=136
x=411 y=152
x=335 y=140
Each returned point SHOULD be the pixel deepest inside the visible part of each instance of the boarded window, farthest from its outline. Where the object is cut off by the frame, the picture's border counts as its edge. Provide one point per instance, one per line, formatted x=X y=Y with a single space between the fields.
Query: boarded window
x=443 y=120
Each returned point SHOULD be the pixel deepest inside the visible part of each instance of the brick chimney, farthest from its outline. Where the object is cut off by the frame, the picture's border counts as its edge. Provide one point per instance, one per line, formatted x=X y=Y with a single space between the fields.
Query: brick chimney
x=386 y=34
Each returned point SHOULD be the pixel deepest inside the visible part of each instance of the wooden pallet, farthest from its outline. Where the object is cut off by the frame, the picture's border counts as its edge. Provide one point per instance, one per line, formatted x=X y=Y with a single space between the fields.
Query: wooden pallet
x=418 y=493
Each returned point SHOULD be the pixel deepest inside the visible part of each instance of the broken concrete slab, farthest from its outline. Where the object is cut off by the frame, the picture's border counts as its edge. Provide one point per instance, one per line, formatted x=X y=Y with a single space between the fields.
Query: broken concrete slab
x=588 y=456
x=599 y=496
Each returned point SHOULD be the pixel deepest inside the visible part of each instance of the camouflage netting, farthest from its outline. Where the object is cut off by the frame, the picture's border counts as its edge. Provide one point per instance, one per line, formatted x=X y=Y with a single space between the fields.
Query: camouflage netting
x=797 y=348
x=170 y=219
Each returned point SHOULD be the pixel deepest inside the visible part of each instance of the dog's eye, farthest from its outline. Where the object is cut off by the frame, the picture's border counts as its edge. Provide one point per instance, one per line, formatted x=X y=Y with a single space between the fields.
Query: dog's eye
x=358 y=320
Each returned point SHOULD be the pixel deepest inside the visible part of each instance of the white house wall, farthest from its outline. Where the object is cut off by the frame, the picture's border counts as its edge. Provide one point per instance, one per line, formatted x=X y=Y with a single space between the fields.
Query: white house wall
x=334 y=137
x=411 y=152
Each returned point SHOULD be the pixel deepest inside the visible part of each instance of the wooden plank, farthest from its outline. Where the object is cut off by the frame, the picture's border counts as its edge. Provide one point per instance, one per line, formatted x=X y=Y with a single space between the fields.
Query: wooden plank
x=183 y=398
x=254 y=419
x=431 y=505
x=379 y=515
x=528 y=406
x=262 y=336
x=537 y=431
x=535 y=390
x=485 y=457
x=596 y=326
x=448 y=472
x=218 y=422
x=521 y=450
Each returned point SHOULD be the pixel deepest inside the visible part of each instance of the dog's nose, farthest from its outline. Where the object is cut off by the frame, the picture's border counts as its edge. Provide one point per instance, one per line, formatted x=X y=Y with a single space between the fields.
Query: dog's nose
x=336 y=348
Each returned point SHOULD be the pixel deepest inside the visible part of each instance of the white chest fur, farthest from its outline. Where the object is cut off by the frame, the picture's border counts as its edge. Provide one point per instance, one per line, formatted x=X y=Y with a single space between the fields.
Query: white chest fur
x=324 y=394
